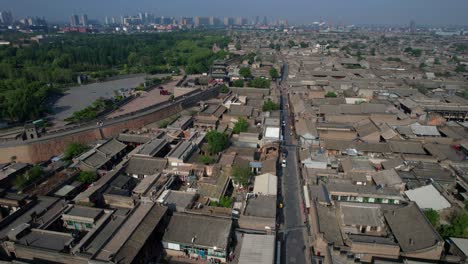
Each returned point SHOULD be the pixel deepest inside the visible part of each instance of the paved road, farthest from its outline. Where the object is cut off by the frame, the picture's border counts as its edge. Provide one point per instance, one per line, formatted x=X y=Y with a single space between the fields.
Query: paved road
x=293 y=226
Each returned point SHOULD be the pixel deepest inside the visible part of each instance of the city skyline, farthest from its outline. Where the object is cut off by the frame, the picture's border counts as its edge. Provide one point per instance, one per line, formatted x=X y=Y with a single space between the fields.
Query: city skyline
x=429 y=12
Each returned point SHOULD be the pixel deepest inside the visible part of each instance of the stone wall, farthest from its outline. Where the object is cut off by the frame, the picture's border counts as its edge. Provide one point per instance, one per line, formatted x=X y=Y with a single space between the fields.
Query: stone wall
x=44 y=148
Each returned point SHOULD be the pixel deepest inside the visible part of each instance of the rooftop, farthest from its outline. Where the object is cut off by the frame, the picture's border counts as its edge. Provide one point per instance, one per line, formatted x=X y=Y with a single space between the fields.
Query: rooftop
x=259 y=249
x=200 y=230
x=261 y=206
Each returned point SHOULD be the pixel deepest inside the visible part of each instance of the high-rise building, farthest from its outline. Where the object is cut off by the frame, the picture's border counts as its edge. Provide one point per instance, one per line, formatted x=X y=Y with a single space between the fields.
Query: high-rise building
x=74 y=20
x=240 y=21
x=412 y=27
x=106 y=20
x=6 y=17
x=265 y=21
x=202 y=21
x=186 y=21
x=229 y=21
x=84 y=20
x=215 y=21
x=257 y=20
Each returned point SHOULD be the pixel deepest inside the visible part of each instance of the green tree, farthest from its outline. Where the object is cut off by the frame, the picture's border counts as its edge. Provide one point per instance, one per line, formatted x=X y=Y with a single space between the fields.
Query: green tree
x=274 y=73
x=245 y=72
x=225 y=202
x=460 y=68
x=73 y=150
x=224 y=89
x=238 y=46
x=205 y=159
x=217 y=141
x=422 y=65
x=87 y=177
x=241 y=174
x=433 y=217
x=260 y=83
x=238 y=83
x=240 y=126
x=330 y=95
x=269 y=105
x=303 y=44
x=458 y=226
x=28 y=178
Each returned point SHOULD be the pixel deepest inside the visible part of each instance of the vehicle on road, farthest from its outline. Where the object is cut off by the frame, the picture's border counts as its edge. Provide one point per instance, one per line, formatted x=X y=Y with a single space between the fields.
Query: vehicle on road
x=284 y=154
x=164 y=92
x=284 y=123
x=283 y=163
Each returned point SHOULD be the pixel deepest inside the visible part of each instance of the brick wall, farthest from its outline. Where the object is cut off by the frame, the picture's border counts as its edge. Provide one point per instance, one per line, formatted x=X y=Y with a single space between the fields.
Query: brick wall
x=43 y=149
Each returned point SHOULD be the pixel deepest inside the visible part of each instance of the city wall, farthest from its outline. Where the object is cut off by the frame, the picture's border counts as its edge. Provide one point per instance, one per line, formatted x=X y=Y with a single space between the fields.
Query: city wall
x=45 y=147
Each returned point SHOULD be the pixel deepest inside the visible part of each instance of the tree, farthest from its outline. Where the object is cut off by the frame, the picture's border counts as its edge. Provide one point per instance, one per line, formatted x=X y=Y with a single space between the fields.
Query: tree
x=433 y=217
x=330 y=95
x=304 y=45
x=458 y=226
x=422 y=65
x=73 y=150
x=224 y=89
x=241 y=174
x=29 y=177
x=217 y=141
x=87 y=177
x=238 y=83
x=245 y=72
x=269 y=105
x=460 y=68
x=238 y=46
x=260 y=83
x=240 y=126
x=205 y=159
x=225 y=202
x=274 y=73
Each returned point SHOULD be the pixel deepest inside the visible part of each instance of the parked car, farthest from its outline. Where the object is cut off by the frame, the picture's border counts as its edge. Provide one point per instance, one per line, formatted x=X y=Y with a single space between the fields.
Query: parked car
x=283 y=163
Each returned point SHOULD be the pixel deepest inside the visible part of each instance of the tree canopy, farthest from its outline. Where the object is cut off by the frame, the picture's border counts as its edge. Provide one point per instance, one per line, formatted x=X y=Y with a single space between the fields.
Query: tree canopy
x=269 y=105
x=458 y=226
x=245 y=72
x=238 y=83
x=217 y=141
x=87 y=177
x=241 y=174
x=259 y=82
x=433 y=217
x=274 y=73
x=240 y=126
x=30 y=74
x=29 y=177
x=224 y=89
x=331 y=95
x=73 y=150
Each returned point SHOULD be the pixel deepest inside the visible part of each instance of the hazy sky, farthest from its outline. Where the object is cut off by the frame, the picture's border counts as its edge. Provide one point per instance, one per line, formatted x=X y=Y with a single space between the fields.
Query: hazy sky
x=435 y=12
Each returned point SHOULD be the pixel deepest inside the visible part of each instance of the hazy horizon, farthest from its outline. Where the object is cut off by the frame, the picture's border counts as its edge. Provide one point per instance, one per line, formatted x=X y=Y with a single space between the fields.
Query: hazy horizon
x=431 y=12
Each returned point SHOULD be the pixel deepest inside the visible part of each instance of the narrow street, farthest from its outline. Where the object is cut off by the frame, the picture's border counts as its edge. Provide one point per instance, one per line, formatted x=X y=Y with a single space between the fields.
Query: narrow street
x=293 y=227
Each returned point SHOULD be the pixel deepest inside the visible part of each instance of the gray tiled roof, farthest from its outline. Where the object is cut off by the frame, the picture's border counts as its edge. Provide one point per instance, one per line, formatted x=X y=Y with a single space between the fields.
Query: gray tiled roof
x=411 y=229
x=145 y=165
x=204 y=231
